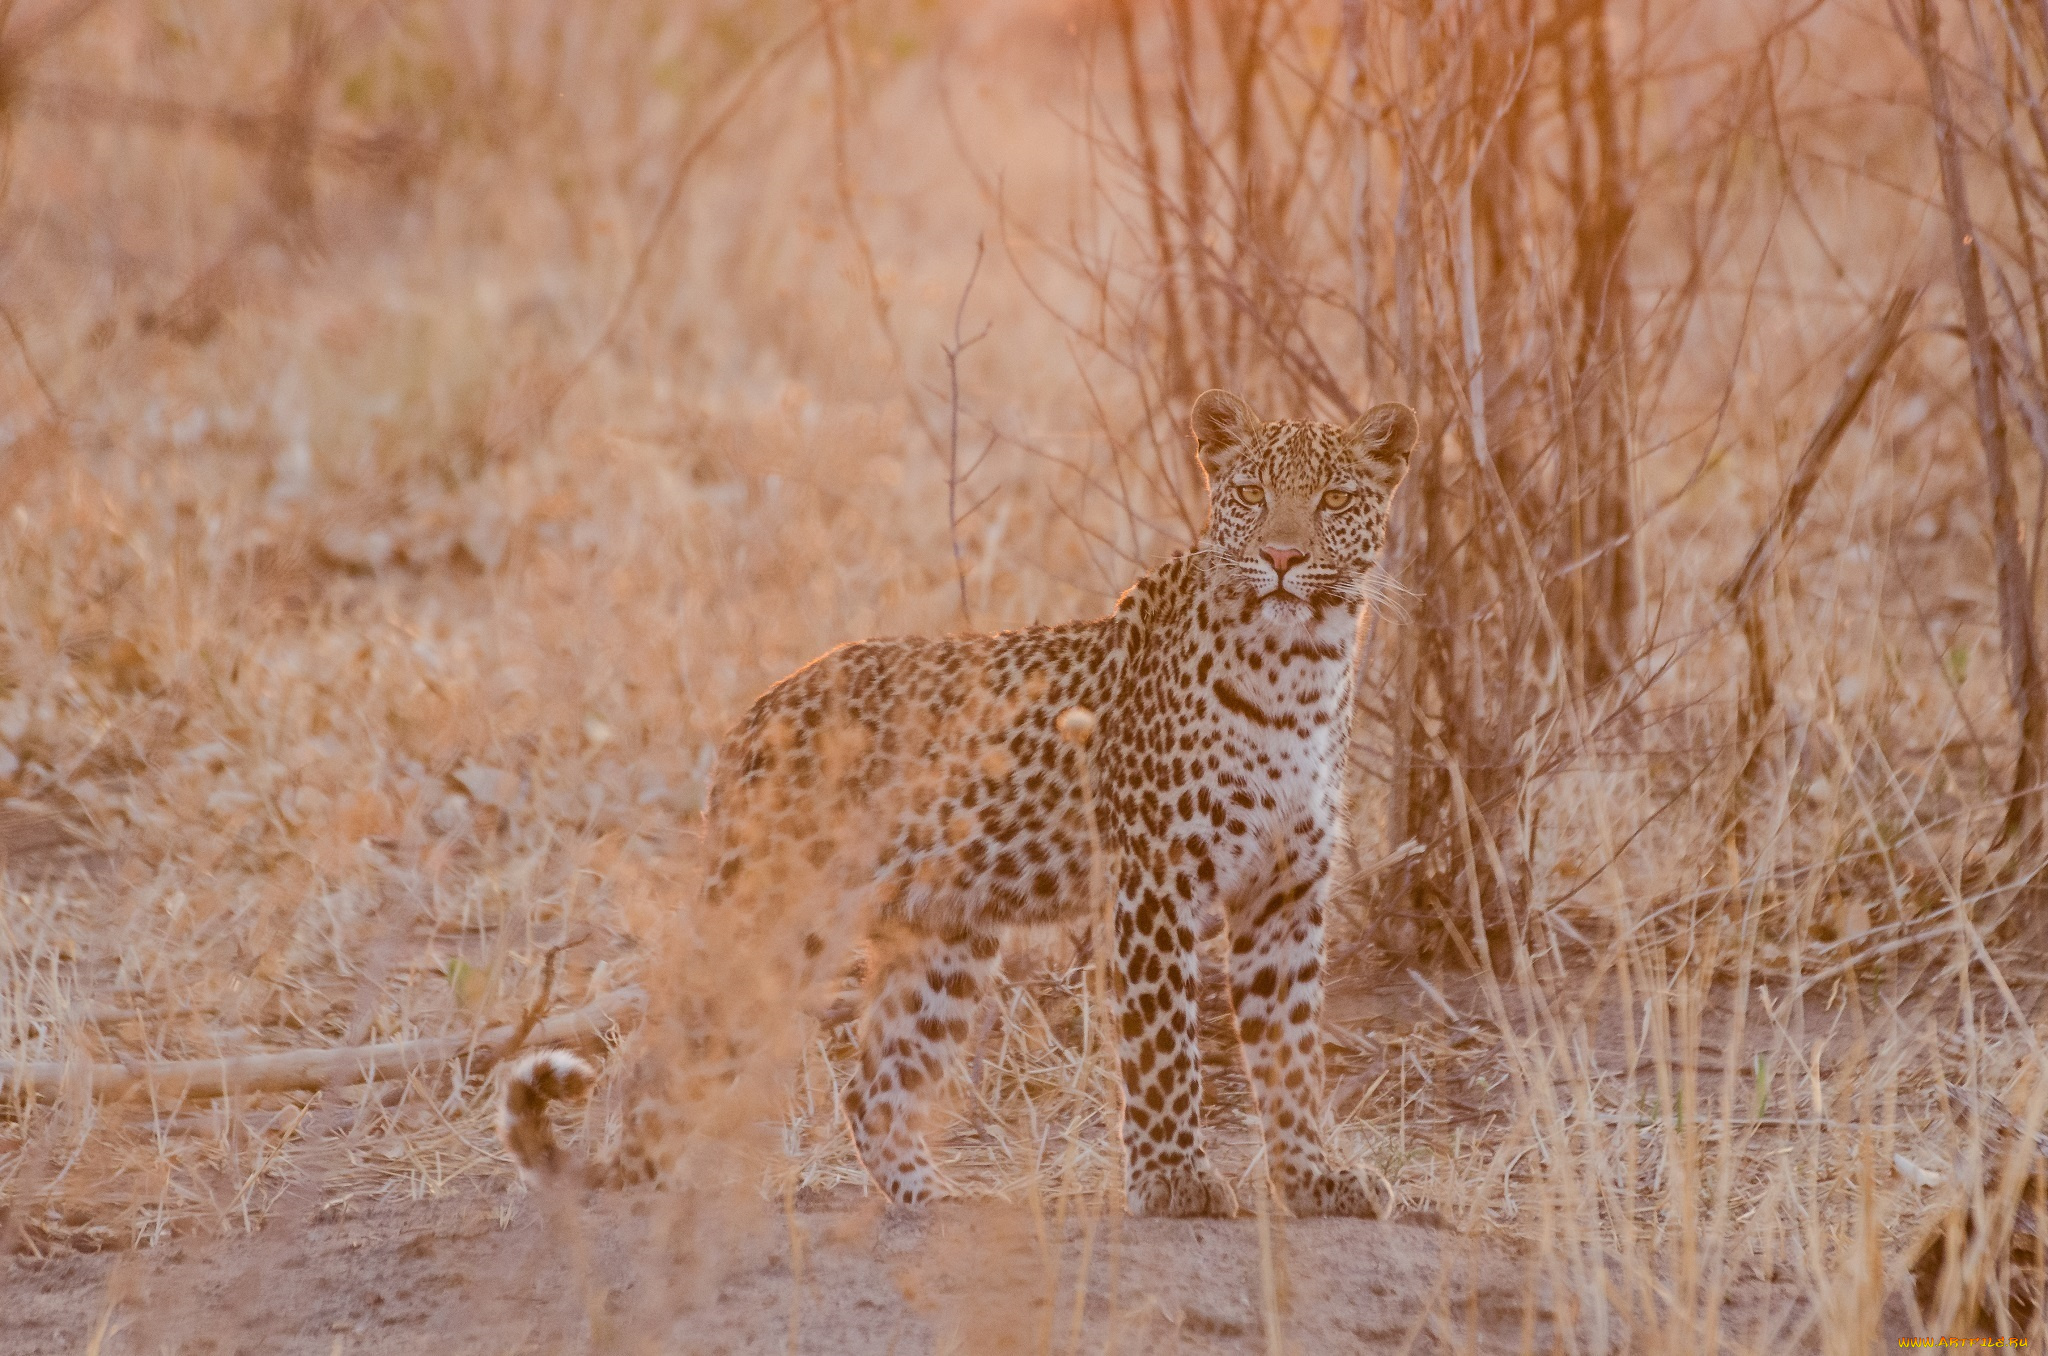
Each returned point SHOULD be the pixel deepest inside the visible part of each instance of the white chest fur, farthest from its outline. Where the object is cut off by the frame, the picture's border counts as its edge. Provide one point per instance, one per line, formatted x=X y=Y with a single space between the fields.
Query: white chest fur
x=1280 y=691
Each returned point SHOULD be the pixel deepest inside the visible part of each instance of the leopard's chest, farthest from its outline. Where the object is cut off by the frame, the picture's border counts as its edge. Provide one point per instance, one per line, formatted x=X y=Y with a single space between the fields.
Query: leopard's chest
x=1277 y=715
x=1242 y=758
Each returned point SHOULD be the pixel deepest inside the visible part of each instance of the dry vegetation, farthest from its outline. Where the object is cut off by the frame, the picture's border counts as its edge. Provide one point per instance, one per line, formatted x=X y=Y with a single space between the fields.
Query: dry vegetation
x=425 y=424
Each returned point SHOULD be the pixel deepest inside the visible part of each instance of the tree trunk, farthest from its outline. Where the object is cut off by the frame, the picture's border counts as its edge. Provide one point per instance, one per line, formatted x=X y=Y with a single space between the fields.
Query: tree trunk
x=2022 y=824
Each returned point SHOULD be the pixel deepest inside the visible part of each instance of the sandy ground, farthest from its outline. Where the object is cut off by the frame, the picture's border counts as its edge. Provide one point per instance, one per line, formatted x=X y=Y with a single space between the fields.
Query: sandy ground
x=482 y=1273
x=490 y=1268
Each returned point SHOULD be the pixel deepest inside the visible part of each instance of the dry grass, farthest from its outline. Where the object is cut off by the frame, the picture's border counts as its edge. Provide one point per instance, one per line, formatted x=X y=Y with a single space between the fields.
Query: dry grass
x=418 y=441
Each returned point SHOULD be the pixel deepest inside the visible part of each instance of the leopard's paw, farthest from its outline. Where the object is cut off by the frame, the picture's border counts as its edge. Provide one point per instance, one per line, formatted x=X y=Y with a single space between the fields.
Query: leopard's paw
x=1341 y=1193
x=1181 y=1192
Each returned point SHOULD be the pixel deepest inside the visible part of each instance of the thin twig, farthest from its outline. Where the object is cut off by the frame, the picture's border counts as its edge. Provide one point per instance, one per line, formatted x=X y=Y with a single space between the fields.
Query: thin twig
x=28 y=360
x=1861 y=375
x=1760 y=694
x=531 y=1017
x=954 y=476
x=658 y=225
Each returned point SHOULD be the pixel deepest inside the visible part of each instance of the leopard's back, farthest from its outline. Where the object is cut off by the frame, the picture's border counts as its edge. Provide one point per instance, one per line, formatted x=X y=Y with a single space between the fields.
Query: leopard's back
x=926 y=775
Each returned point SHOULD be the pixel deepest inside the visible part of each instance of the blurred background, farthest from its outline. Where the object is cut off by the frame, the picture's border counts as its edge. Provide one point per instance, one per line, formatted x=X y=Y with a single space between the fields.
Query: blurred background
x=426 y=424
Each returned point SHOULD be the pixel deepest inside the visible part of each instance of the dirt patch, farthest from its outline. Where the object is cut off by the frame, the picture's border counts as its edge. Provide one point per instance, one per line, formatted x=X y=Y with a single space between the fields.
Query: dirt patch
x=482 y=1273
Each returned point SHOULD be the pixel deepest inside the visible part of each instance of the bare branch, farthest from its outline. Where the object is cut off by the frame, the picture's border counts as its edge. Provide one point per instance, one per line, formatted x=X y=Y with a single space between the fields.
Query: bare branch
x=301 y=1070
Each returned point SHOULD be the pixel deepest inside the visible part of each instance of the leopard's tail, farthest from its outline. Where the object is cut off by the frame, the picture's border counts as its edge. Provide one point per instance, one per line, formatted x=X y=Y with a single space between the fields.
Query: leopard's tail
x=528 y=1086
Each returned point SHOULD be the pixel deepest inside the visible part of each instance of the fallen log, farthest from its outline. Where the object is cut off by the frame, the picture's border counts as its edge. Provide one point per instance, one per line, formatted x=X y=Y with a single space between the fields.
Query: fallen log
x=307 y=1070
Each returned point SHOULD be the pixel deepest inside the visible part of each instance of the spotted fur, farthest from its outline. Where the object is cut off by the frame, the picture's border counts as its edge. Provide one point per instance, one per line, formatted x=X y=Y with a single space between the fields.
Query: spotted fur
x=915 y=796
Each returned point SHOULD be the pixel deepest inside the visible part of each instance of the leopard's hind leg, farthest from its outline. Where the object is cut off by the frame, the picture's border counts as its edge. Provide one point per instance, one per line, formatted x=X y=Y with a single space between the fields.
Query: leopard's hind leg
x=924 y=988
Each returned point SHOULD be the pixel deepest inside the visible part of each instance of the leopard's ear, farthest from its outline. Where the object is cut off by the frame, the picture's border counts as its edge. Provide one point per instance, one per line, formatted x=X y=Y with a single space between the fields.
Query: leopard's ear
x=1224 y=426
x=1382 y=439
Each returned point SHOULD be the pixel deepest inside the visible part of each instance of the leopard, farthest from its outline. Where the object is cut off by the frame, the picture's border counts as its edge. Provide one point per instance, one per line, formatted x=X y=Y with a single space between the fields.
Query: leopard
x=1181 y=761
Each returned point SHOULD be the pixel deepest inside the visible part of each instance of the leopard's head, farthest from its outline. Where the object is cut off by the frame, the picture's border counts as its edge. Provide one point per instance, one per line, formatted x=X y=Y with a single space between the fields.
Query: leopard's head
x=1298 y=510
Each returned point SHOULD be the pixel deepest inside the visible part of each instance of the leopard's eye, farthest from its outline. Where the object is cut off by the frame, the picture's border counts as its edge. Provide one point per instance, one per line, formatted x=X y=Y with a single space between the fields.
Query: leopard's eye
x=1336 y=499
x=1251 y=494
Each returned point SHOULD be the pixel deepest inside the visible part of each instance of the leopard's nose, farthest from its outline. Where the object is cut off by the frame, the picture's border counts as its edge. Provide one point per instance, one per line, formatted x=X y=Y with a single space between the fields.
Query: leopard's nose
x=1283 y=556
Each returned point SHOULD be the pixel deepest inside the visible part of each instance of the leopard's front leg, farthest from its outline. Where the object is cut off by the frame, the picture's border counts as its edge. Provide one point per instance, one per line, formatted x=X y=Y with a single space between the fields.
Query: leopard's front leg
x=1165 y=1169
x=1276 y=985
